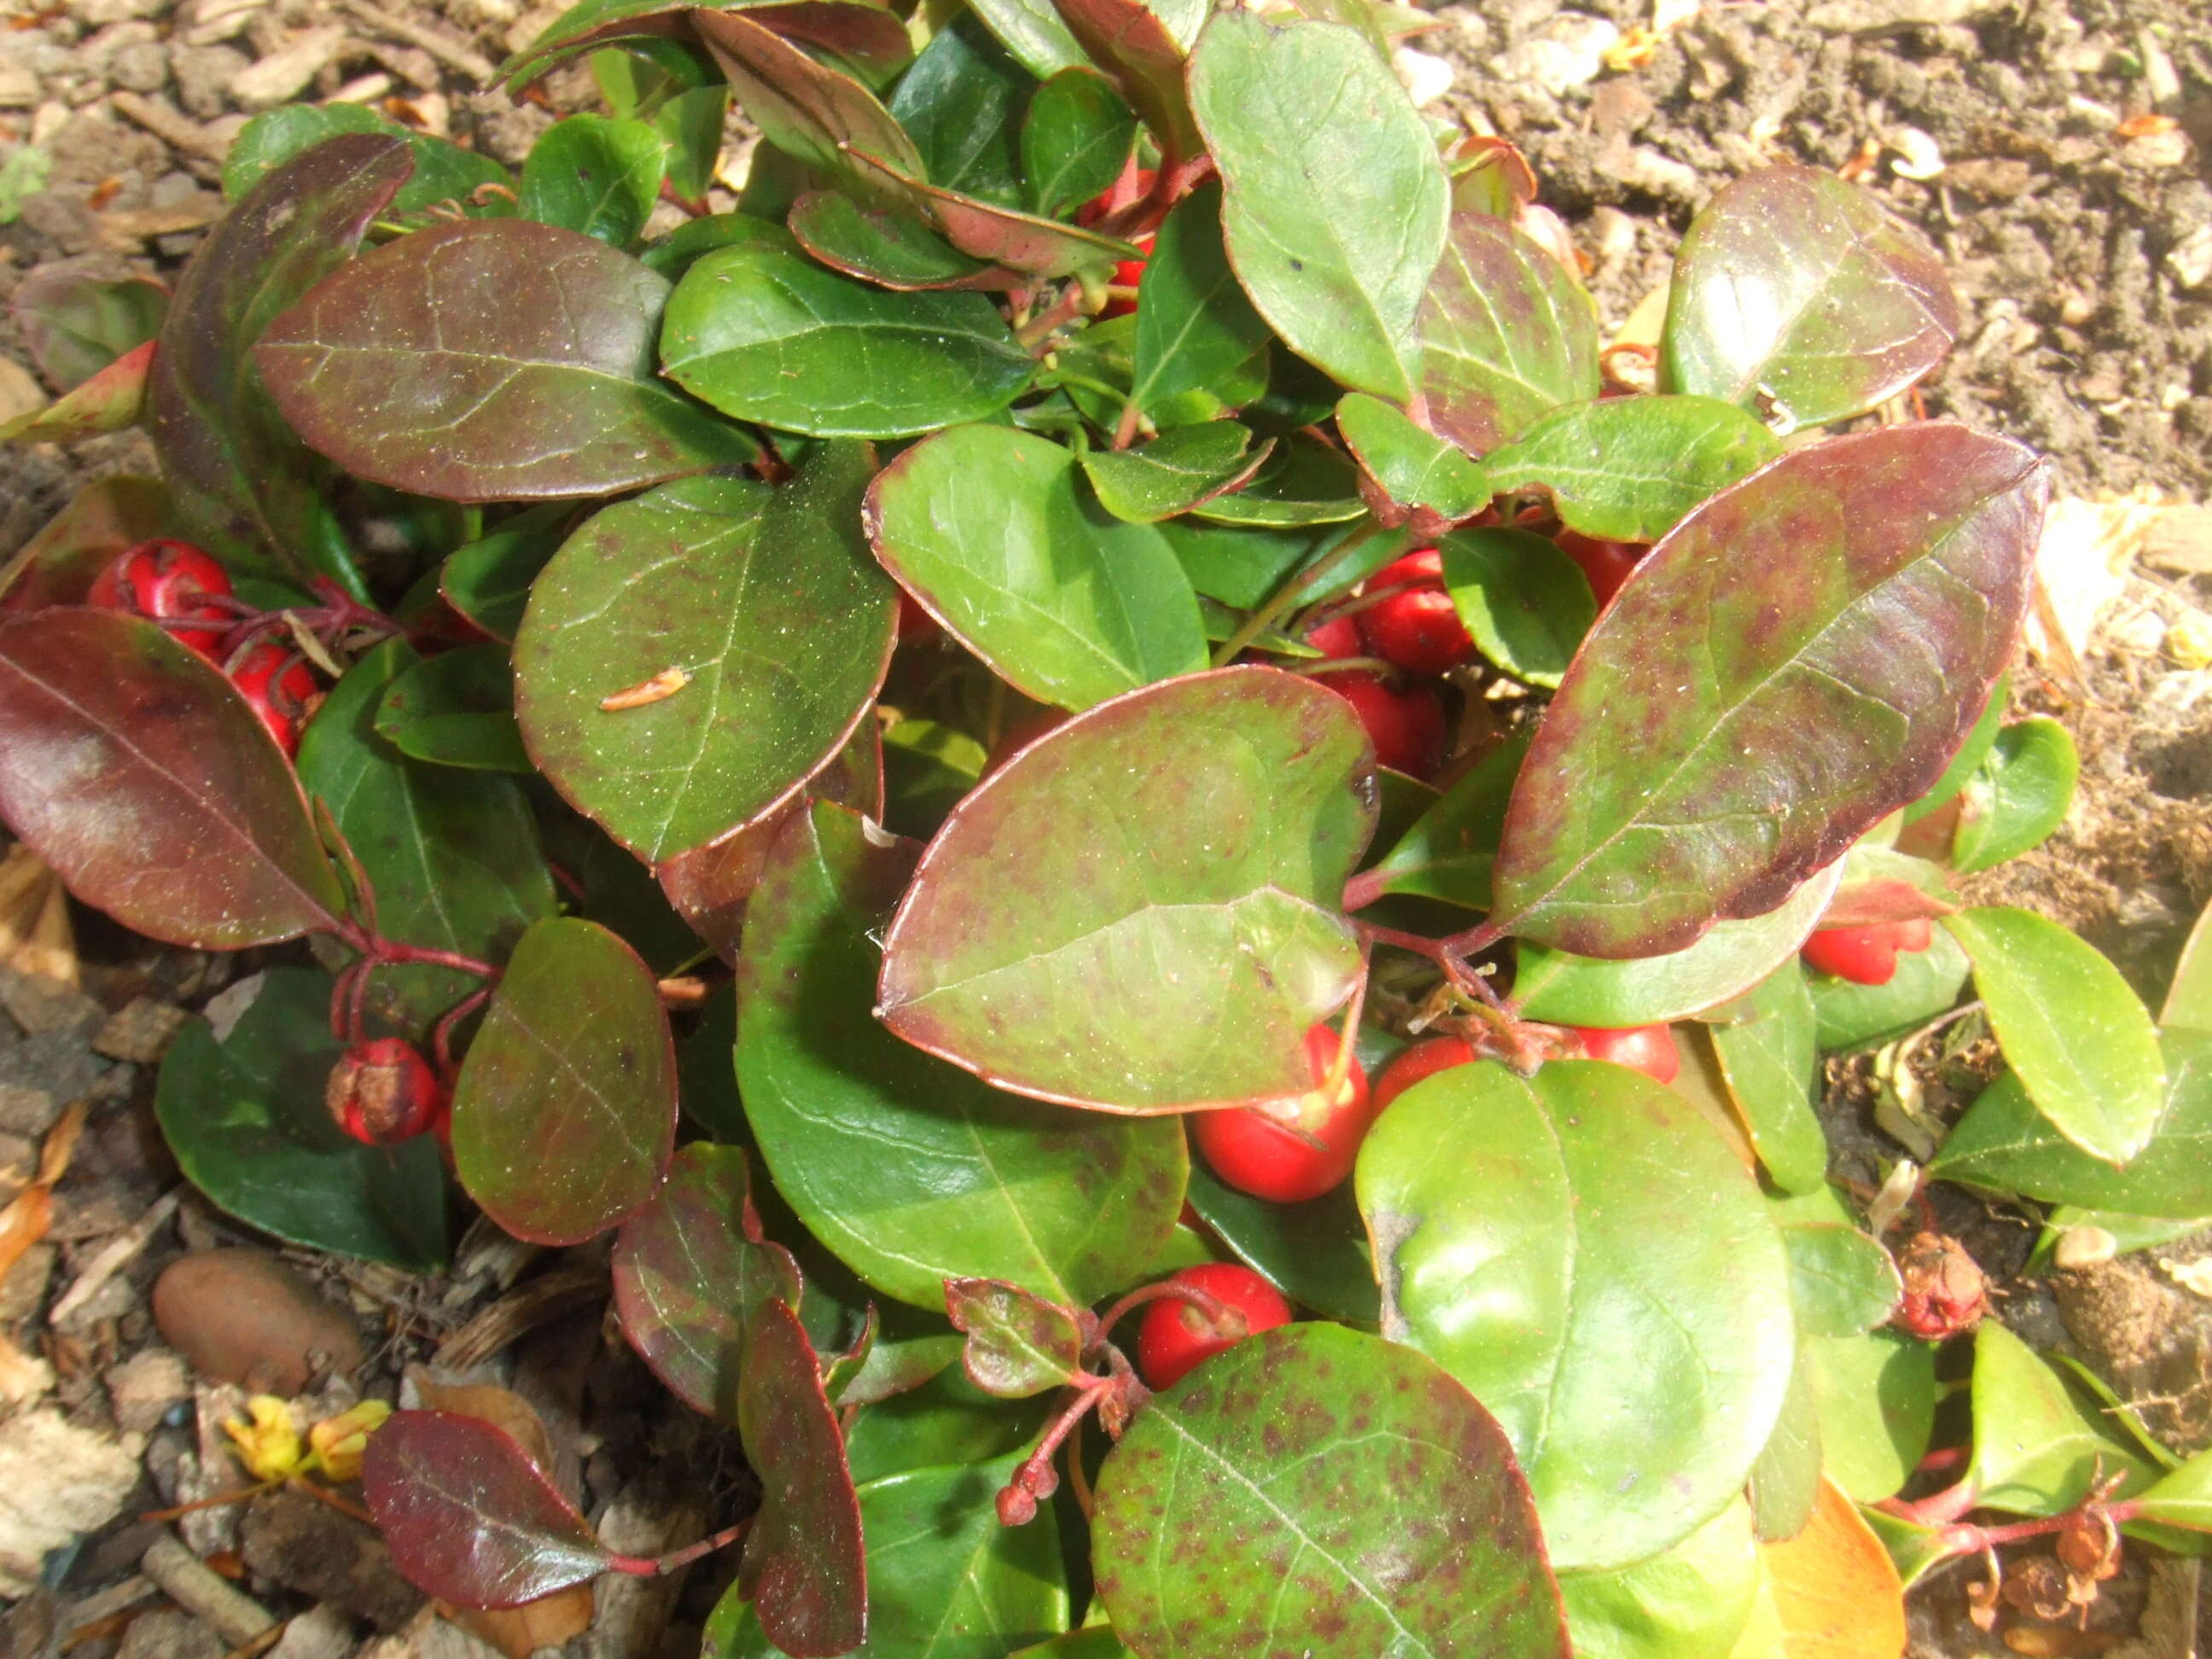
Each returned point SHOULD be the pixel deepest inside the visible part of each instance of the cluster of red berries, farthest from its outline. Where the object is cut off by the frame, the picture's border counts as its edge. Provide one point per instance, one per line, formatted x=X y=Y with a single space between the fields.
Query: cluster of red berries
x=1866 y=955
x=383 y=1091
x=181 y=588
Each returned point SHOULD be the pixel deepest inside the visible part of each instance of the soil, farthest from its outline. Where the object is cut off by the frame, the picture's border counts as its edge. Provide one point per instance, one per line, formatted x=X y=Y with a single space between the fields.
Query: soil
x=2057 y=152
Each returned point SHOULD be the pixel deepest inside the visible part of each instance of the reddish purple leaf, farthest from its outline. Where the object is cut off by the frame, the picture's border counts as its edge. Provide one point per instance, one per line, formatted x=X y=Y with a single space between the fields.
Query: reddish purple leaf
x=1799 y=658
x=495 y=360
x=469 y=1518
x=1127 y=40
x=246 y=487
x=1018 y=1344
x=805 y=1569
x=983 y=230
x=688 y=1278
x=870 y=37
x=57 y=565
x=805 y=108
x=1868 y=904
x=131 y=766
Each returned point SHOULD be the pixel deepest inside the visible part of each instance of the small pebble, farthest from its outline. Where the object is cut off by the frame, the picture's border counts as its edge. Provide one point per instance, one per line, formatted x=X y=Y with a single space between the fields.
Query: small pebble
x=243 y=1316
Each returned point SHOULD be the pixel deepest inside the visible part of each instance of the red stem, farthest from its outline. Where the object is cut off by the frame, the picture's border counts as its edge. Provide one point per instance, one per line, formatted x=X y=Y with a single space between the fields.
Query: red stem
x=1205 y=1302
x=1936 y=1509
x=441 y=1036
x=653 y=1566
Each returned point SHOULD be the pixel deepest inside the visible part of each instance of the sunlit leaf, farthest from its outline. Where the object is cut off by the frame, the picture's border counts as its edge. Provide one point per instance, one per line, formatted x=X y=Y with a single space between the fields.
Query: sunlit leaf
x=1315 y=1253
x=1842 y=1282
x=2017 y=796
x=892 y=247
x=1075 y=138
x=1445 y=854
x=2189 y=998
x=1690 y=1601
x=1798 y=659
x=111 y=399
x=1304 y=482
x=1876 y=1398
x=2038 y=1444
x=443 y=173
x=1180 y=468
x=1081 y=966
x=594 y=175
x=1410 y=464
x=1141 y=48
x=1770 y=1061
x=1197 y=335
x=985 y=230
x=962 y=102
x=1523 y=602
x=1926 y=983
x=1830 y=1592
x=1786 y=1482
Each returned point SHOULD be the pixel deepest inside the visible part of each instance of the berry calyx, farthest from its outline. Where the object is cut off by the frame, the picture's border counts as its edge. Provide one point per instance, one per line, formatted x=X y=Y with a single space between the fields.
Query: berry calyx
x=1647 y=1049
x=1297 y=1146
x=278 y=685
x=1423 y=1059
x=1607 y=564
x=1176 y=1335
x=1405 y=725
x=382 y=1091
x=1945 y=1291
x=1867 y=955
x=169 y=581
x=1418 y=629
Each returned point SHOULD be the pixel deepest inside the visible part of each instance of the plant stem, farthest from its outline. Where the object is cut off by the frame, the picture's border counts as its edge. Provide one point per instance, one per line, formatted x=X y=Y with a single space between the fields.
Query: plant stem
x=1040 y=328
x=1204 y=1301
x=653 y=1566
x=1289 y=593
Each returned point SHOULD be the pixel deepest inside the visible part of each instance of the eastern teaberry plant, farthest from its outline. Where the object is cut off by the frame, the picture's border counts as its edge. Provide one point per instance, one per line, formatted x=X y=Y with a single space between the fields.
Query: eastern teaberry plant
x=1058 y=710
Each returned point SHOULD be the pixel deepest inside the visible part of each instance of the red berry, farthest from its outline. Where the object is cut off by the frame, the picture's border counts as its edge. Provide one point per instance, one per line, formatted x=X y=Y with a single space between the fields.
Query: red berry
x=1337 y=637
x=1607 y=564
x=1405 y=726
x=1646 y=1048
x=1945 y=1290
x=1134 y=185
x=169 y=581
x=383 y=1091
x=1423 y=1059
x=1419 y=628
x=1175 y=1335
x=1293 y=1148
x=276 y=684
x=1128 y=273
x=1868 y=955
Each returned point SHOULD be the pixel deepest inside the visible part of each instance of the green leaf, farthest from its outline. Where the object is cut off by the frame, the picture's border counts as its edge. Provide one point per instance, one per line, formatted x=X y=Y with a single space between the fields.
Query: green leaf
x=1970 y=756
x=1315 y=1253
x=1032 y=31
x=487 y=580
x=442 y=172
x=1019 y=1345
x=961 y=103
x=1842 y=1282
x=869 y=38
x=1857 y=1016
x=1771 y=1062
x=1334 y=200
x=131 y=767
x=1089 y=969
x=2017 y=796
x=564 y=1117
x=1730 y=960
x=2182 y=1498
x=944 y=1578
x=1798 y=298
x=1238 y=566
x=1243 y=1505
x=456 y=709
x=454 y=870
x=1180 y=468
x=983 y=1184
x=1075 y=140
x=1304 y=483
x=1044 y=248
x=890 y=247
x=1690 y=1602
x=1785 y=1482
x=1197 y=335
x=1798 y=659
x=1504 y=334
x=927 y=766
x=2003 y=1144
x=765 y=597
x=493 y=361
x=244 y=1115
x=1446 y=853
x=994 y=531
x=1638 y=1385
x=596 y=176
x=1523 y=602
x=2038 y=1444
x=1410 y=464
x=74 y=324
x=2189 y=998
x=946 y=1421
x=1095 y=1642
x=1144 y=46
x=1876 y=1398
x=764 y=333
x=2074 y=1032
x=1629 y=469
x=243 y=486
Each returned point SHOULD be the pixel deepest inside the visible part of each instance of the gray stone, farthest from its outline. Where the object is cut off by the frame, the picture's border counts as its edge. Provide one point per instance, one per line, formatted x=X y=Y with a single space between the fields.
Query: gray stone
x=169 y=1635
x=204 y=77
x=142 y=68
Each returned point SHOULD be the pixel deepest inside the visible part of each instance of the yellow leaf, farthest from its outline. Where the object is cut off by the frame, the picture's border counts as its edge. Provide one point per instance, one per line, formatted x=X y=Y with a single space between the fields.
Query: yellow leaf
x=1829 y=1593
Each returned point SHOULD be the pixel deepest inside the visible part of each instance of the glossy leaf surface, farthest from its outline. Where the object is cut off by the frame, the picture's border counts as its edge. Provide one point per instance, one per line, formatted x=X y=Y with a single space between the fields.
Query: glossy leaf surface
x=593 y=175
x=807 y=109
x=1522 y=601
x=443 y=172
x=565 y=1113
x=983 y=1184
x=1786 y=1482
x=1197 y=335
x=1926 y=983
x=2183 y=1497
x=1690 y=1601
x=456 y=709
x=1770 y=1061
x=1841 y=1281
x=1629 y=469
x=1221 y=813
x=1235 y=1510
x=1032 y=31
x=1836 y=619
x=1595 y=1266
x=892 y=247
x=944 y=1578
x=1017 y=1344
x=962 y=102
x=688 y=1278
x=468 y=1516
x=1304 y=483
x=2038 y=1443
x=764 y=333
x=133 y=768
x=1175 y=472
x=245 y=1116
x=2018 y=795
x=2072 y=1030
x=243 y=483
x=1334 y=202
x=997 y=533
x=1409 y=463
x=765 y=599
x=1876 y=1398
x=1797 y=297
x=1140 y=47
x=1830 y=1592
x=985 y=230
x=2003 y=1144
x=493 y=361
x=1075 y=137
x=1505 y=335
x=1315 y=1253
x=2189 y=998
x=487 y=580
x=1445 y=854
x=111 y=399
